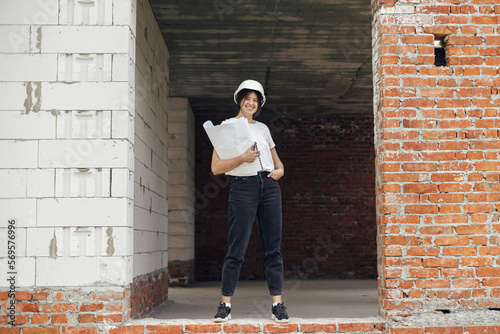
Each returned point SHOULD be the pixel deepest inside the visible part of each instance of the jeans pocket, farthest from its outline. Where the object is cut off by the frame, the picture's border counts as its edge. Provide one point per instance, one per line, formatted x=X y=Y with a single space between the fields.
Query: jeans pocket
x=274 y=180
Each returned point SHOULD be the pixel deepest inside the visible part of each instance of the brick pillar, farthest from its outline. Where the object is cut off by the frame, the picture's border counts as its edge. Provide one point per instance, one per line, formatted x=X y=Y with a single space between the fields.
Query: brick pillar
x=181 y=192
x=437 y=163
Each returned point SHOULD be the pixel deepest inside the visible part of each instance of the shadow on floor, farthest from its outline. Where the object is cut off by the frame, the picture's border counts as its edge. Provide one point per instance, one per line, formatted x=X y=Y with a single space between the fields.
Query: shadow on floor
x=303 y=298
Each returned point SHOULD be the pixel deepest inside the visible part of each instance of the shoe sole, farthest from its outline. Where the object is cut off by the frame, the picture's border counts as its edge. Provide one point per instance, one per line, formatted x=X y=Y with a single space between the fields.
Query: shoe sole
x=223 y=319
x=277 y=320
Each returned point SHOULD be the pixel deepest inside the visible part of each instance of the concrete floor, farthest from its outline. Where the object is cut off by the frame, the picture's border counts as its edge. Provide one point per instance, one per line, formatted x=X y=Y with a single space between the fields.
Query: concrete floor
x=306 y=299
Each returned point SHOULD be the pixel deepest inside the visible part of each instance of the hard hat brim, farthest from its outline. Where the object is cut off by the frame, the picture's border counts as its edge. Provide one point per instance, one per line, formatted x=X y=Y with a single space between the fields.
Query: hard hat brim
x=252 y=85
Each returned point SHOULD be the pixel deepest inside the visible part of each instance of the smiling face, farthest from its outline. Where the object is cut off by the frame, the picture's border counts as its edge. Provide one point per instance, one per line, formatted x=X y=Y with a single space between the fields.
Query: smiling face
x=249 y=103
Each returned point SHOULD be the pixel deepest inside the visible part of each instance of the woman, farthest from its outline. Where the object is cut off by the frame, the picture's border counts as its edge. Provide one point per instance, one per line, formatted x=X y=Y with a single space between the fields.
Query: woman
x=250 y=196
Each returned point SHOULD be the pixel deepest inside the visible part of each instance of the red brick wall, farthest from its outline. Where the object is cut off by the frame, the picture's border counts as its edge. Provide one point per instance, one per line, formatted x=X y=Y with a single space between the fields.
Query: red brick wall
x=148 y=292
x=80 y=309
x=437 y=147
x=328 y=194
x=63 y=309
x=181 y=273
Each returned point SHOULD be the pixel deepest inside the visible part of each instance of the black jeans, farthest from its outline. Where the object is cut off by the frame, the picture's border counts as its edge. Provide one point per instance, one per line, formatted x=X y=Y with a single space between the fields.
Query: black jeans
x=252 y=196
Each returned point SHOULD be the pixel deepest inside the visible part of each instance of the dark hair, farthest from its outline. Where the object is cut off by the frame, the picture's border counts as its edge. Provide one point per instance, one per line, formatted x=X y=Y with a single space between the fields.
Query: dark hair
x=244 y=93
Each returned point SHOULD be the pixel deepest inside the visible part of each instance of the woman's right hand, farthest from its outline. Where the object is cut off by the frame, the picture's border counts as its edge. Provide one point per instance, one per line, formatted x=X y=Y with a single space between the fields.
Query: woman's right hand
x=249 y=155
x=223 y=166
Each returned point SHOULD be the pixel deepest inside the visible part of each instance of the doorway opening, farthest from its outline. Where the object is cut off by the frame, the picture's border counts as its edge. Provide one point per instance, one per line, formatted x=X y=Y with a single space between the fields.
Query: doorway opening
x=315 y=64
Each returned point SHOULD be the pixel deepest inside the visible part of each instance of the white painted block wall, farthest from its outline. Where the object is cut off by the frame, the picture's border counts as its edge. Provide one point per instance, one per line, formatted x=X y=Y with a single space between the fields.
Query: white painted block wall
x=181 y=188
x=67 y=108
x=151 y=165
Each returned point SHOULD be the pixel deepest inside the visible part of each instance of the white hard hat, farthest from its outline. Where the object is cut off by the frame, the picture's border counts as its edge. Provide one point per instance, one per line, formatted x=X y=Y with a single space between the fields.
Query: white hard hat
x=253 y=85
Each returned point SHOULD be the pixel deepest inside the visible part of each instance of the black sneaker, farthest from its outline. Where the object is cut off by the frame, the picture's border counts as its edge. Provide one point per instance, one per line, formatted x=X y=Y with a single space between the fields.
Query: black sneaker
x=279 y=313
x=223 y=313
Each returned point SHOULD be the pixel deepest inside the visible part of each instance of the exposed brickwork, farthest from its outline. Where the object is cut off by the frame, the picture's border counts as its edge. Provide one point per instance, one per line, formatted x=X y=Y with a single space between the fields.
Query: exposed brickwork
x=76 y=310
x=328 y=200
x=147 y=292
x=445 y=330
x=181 y=273
x=437 y=162
x=374 y=327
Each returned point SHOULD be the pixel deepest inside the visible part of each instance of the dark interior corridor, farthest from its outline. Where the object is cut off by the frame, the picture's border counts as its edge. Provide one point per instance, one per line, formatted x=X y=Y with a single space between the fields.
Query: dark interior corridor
x=328 y=196
x=314 y=60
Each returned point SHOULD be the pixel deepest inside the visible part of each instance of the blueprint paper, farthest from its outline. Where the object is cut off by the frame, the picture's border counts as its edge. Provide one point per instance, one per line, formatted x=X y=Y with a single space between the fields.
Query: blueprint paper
x=231 y=139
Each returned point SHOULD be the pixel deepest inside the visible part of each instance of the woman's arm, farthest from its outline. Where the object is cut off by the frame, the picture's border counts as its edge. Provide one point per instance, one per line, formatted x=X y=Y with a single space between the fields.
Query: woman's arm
x=279 y=168
x=220 y=166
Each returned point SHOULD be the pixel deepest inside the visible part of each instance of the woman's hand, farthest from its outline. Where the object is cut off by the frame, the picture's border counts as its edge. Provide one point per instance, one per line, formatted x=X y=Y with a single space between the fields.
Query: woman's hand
x=279 y=168
x=222 y=166
x=276 y=174
x=249 y=155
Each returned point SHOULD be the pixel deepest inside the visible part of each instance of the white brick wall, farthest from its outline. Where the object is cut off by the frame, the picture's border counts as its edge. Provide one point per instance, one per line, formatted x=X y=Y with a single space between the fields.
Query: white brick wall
x=69 y=132
x=181 y=202
x=39 y=125
x=14 y=39
x=29 y=12
x=40 y=183
x=147 y=262
x=88 y=182
x=87 y=124
x=85 y=96
x=120 y=66
x=29 y=67
x=20 y=236
x=85 y=39
x=88 y=271
x=181 y=254
x=86 y=67
x=25 y=267
x=82 y=212
x=122 y=125
x=93 y=13
x=150 y=147
x=122 y=185
x=18 y=154
x=83 y=153
x=13 y=183
x=23 y=210
x=67 y=107
x=78 y=241
x=14 y=96
x=146 y=221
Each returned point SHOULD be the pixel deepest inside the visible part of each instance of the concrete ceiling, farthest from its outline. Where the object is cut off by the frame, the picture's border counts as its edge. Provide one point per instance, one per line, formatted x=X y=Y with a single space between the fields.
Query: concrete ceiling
x=312 y=56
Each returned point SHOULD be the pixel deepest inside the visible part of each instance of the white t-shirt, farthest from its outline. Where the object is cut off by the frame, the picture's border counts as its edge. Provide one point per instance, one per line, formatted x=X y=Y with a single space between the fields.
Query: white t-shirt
x=265 y=143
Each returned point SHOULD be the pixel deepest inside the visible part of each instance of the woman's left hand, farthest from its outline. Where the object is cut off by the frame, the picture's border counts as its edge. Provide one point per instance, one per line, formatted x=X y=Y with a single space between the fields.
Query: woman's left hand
x=276 y=174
